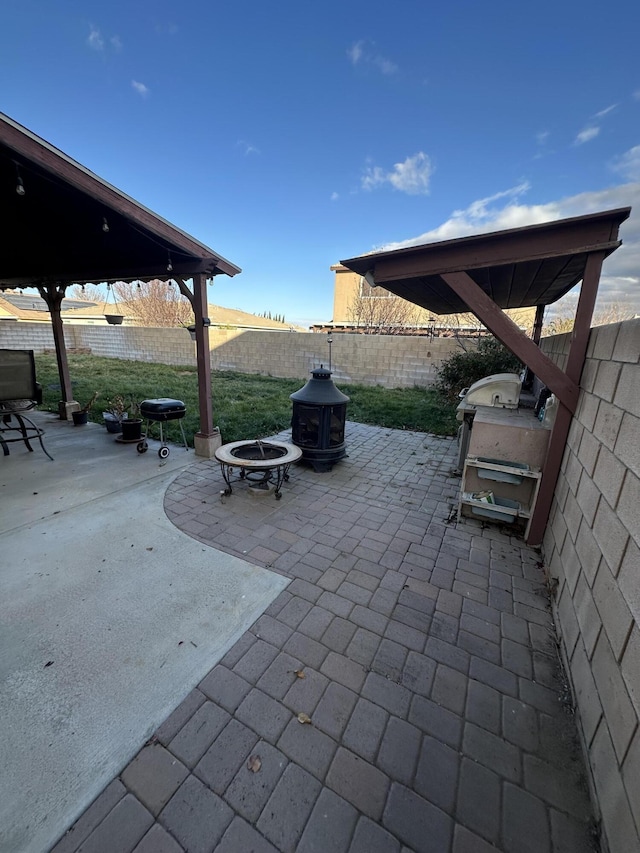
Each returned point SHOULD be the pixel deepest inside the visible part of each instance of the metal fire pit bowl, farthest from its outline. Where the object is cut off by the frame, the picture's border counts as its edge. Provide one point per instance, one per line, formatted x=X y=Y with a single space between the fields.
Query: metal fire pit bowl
x=262 y=463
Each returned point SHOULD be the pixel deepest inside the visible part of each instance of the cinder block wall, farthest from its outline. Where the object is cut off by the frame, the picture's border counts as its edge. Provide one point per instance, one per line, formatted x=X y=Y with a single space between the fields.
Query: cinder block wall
x=390 y=361
x=592 y=548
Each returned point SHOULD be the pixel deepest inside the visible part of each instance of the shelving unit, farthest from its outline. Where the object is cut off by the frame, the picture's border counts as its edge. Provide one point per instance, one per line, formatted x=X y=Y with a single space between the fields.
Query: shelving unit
x=514 y=485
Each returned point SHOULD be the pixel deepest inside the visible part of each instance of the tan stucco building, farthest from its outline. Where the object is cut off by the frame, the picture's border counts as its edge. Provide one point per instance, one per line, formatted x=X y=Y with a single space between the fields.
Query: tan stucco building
x=349 y=287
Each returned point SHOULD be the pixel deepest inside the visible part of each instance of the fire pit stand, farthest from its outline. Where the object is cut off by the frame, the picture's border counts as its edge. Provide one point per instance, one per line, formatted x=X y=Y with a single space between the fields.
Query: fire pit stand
x=262 y=463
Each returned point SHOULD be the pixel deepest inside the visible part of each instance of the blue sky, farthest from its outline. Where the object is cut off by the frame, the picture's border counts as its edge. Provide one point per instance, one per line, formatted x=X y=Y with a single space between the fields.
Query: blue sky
x=287 y=136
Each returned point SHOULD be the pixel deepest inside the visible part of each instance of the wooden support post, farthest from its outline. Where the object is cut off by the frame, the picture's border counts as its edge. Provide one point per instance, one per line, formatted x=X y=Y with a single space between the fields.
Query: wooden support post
x=207 y=439
x=537 y=325
x=53 y=296
x=560 y=430
x=535 y=337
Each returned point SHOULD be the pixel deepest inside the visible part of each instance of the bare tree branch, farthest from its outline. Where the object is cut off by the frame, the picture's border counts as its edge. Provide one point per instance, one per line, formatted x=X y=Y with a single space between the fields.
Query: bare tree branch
x=155 y=303
x=379 y=312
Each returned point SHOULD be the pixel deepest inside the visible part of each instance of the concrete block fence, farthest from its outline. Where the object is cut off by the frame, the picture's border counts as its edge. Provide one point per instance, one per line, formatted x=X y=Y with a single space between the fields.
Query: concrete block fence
x=592 y=550
x=390 y=361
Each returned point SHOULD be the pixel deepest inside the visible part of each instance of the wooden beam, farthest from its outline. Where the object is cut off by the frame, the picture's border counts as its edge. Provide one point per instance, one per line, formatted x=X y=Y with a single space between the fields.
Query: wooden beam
x=562 y=424
x=537 y=325
x=53 y=296
x=584 y=315
x=29 y=147
x=203 y=356
x=551 y=468
x=513 y=338
x=562 y=238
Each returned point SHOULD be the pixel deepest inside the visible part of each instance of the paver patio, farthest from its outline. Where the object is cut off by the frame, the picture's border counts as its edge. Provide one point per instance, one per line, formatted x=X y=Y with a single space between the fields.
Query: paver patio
x=423 y=653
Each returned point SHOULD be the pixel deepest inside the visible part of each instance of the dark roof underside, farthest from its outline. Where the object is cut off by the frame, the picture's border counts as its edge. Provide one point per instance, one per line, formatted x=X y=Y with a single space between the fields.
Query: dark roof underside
x=519 y=268
x=55 y=232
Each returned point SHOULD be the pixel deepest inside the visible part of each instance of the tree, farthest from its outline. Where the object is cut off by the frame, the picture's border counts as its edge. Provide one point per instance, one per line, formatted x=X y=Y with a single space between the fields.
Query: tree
x=154 y=303
x=462 y=369
x=87 y=292
x=381 y=313
x=562 y=321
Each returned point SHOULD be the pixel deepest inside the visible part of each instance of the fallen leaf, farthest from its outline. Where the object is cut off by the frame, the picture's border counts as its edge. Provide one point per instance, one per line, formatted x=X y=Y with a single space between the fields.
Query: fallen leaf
x=254 y=764
x=299 y=673
x=181 y=642
x=149 y=549
x=48 y=663
x=303 y=718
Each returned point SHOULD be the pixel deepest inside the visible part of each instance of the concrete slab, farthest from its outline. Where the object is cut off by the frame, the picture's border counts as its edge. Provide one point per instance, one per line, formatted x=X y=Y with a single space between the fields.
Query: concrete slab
x=109 y=615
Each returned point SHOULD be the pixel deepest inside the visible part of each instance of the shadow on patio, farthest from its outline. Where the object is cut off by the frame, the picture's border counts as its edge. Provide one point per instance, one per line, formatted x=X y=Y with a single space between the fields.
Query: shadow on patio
x=423 y=654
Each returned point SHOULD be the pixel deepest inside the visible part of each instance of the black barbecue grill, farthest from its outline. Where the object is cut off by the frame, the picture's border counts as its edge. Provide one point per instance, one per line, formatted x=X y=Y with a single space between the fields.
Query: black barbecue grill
x=160 y=411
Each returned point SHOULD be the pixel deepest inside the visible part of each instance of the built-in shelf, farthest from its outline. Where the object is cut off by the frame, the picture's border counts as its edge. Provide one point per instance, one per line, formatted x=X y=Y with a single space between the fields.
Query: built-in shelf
x=514 y=494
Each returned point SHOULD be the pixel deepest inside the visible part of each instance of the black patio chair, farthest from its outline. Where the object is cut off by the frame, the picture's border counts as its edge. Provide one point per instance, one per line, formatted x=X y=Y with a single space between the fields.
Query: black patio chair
x=19 y=393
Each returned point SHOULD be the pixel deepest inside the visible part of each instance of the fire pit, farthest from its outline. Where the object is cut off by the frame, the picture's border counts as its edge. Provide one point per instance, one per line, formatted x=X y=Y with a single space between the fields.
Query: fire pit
x=264 y=464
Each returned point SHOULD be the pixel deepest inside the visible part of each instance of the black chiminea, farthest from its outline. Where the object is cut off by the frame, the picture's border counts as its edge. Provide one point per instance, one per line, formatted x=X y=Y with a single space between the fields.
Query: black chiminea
x=318 y=419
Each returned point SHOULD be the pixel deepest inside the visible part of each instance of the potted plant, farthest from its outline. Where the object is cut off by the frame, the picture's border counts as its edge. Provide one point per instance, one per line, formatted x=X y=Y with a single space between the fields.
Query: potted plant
x=82 y=415
x=114 y=414
x=132 y=426
x=123 y=416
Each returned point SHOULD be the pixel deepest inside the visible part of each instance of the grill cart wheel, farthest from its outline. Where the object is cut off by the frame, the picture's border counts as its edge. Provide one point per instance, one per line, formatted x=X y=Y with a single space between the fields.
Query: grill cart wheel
x=163 y=452
x=142 y=447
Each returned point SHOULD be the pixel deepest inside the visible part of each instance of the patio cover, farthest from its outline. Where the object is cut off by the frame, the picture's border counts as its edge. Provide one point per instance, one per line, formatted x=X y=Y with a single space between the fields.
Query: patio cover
x=64 y=225
x=518 y=268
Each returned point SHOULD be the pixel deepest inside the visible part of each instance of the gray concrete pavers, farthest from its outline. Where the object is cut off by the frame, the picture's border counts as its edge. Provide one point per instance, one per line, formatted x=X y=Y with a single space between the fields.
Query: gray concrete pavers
x=420 y=652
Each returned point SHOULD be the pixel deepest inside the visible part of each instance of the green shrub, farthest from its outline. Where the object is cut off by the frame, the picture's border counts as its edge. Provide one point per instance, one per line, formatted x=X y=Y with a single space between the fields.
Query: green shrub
x=464 y=368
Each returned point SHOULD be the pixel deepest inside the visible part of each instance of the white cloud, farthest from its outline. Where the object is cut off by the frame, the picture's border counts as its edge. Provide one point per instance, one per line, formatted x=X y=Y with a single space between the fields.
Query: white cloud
x=636 y=95
x=116 y=43
x=140 y=88
x=95 y=40
x=385 y=65
x=628 y=164
x=411 y=177
x=620 y=281
x=362 y=53
x=247 y=147
x=355 y=52
x=586 y=135
x=542 y=137
x=335 y=196
x=606 y=111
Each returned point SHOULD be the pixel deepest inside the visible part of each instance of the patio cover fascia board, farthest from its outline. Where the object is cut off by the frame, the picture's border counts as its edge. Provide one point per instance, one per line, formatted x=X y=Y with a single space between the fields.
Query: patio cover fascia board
x=575 y=236
x=29 y=148
x=584 y=241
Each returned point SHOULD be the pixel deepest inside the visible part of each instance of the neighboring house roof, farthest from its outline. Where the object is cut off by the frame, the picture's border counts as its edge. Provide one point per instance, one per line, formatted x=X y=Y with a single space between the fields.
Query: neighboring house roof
x=32 y=307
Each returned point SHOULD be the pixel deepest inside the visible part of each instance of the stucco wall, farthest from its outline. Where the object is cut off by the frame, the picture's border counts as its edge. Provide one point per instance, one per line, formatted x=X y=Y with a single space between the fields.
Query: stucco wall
x=390 y=361
x=592 y=548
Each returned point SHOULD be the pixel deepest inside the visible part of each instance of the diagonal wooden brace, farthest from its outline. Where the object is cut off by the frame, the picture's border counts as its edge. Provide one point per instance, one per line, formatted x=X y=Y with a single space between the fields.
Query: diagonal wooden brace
x=485 y=309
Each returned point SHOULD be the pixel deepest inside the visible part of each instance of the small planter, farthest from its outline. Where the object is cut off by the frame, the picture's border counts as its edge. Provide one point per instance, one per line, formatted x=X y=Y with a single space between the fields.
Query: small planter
x=80 y=418
x=112 y=423
x=114 y=319
x=132 y=429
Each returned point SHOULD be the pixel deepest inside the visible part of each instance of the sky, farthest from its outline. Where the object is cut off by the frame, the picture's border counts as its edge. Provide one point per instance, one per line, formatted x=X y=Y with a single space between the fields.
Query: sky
x=288 y=137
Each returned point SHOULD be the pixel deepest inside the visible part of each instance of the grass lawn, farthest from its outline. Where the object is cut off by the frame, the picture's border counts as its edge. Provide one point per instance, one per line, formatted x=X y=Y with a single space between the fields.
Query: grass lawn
x=244 y=405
